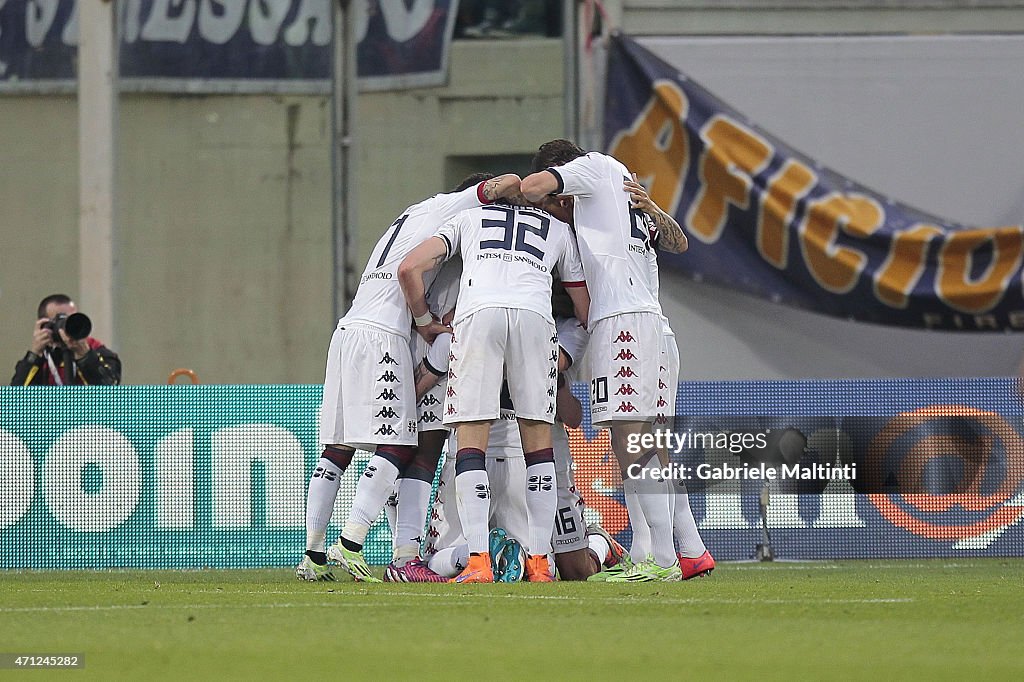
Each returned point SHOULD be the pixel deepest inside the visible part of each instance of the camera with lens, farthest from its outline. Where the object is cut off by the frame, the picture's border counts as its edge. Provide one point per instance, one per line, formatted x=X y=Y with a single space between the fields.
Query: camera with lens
x=77 y=326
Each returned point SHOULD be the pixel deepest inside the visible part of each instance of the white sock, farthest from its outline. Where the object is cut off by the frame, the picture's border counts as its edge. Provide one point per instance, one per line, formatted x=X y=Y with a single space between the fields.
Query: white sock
x=685 y=527
x=599 y=546
x=473 y=493
x=655 y=500
x=449 y=561
x=375 y=485
x=323 y=489
x=541 y=506
x=640 y=546
x=391 y=510
x=413 y=500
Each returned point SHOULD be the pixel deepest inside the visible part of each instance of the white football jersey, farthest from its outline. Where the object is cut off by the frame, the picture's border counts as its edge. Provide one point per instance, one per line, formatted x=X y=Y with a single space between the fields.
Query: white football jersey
x=443 y=294
x=379 y=301
x=508 y=254
x=613 y=238
x=655 y=281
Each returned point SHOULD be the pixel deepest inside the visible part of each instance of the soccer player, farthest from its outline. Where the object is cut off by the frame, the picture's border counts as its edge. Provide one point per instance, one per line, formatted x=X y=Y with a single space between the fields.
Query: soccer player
x=412 y=491
x=580 y=550
x=502 y=322
x=694 y=558
x=625 y=323
x=369 y=399
x=508 y=519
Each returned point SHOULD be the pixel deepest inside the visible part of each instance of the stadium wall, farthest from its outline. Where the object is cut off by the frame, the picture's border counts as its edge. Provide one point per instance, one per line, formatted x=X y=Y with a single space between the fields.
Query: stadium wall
x=224 y=223
x=215 y=476
x=224 y=246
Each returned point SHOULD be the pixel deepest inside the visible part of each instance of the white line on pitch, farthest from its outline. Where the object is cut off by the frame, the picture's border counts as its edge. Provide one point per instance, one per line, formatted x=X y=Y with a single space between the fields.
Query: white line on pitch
x=377 y=602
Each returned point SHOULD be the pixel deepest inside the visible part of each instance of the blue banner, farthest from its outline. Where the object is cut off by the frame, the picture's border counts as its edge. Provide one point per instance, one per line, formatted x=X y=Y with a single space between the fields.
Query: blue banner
x=400 y=44
x=767 y=220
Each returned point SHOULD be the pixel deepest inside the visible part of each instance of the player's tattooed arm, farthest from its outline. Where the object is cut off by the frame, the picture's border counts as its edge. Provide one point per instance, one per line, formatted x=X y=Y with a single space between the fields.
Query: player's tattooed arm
x=437 y=260
x=671 y=235
x=420 y=260
x=502 y=187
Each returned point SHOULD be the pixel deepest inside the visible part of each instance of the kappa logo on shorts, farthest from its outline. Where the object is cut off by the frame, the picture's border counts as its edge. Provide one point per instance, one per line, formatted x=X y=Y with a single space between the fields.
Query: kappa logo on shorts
x=626 y=407
x=411 y=425
x=554 y=356
x=389 y=377
x=388 y=394
x=387 y=360
x=626 y=389
x=429 y=418
x=551 y=393
x=553 y=373
x=385 y=430
x=451 y=392
x=625 y=372
x=451 y=374
x=663 y=368
x=369 y=471
x=662 y=385
x=551 y=408
x=625 y=354
x=386 y=412
x=661 y=402
x=661 y=419
x=554 y=338
x=451 y=410
x=625 y=336
x=451 y=357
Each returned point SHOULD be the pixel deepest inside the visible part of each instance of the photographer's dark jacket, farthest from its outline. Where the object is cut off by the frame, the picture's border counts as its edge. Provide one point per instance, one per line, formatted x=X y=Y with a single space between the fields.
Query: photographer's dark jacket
x=99 y=367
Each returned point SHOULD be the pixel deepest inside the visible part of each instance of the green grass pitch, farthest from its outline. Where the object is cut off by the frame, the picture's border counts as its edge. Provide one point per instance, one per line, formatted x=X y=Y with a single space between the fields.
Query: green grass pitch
x=913 y=619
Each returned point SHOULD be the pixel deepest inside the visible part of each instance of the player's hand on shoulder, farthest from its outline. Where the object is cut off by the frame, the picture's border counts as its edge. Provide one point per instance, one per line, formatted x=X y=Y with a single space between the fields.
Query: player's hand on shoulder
x=638 y=196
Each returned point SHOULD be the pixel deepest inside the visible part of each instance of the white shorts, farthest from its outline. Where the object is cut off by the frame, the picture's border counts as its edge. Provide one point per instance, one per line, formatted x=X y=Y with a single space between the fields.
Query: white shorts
x=430 y=407
x=486 y=342
x=668 y=380
x=507 y=479
x=369 y=397
x=570 y=533
x=625 y=356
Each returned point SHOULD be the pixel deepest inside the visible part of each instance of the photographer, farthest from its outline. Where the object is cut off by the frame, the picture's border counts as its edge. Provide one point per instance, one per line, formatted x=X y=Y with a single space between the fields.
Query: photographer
x=63 y=353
